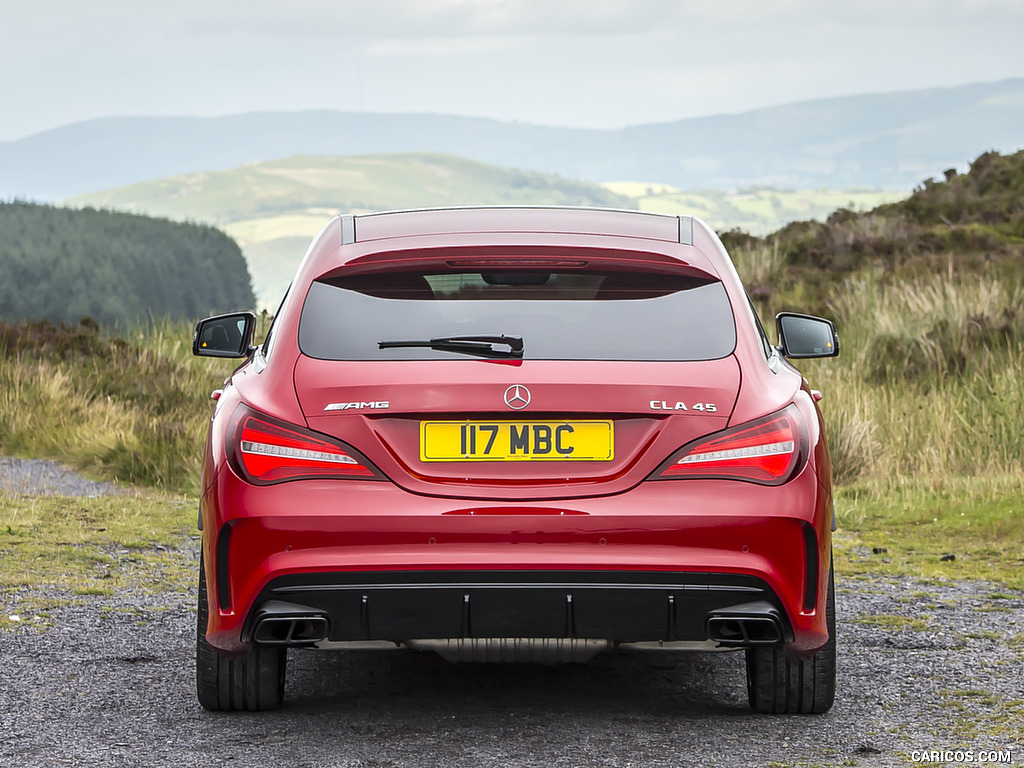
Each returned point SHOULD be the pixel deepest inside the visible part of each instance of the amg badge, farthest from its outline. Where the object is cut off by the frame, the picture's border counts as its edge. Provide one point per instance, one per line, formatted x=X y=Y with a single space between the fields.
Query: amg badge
x=378 y=405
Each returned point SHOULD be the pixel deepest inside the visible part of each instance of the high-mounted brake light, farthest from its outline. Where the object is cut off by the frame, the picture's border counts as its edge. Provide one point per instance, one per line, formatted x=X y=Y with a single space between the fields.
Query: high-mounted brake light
x=266 y=451
x=490 y=263
x=768 y=451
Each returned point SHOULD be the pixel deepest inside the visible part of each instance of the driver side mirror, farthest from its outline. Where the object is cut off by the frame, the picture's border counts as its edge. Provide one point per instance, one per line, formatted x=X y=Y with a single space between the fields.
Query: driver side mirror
x=806 y=336
x=225 y=335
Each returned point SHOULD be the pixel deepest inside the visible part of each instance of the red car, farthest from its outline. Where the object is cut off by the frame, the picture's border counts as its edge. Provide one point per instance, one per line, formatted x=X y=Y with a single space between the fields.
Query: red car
x=516 y=434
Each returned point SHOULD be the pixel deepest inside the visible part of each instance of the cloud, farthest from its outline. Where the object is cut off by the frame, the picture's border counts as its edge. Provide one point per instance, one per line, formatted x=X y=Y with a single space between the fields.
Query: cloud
x=576 y=62
x=361 y=22
x=418 y=19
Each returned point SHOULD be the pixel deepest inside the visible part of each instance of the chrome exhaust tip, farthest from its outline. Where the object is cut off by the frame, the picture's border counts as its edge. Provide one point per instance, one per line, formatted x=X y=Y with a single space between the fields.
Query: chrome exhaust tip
x=280 y=623
x=743 y=626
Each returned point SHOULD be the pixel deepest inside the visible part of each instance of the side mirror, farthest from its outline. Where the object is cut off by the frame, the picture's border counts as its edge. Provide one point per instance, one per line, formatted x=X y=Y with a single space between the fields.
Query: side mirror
x=224 y=335
x=805 y=336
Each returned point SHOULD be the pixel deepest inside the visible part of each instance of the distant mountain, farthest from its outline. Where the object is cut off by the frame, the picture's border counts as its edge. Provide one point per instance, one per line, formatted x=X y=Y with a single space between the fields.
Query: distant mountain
x=273 y=209
x=304 y=183
x=892 y=140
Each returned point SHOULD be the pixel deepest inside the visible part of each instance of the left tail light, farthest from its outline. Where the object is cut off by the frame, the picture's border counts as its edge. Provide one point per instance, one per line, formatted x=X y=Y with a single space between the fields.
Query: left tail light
x=265 y=451
x=767 y=451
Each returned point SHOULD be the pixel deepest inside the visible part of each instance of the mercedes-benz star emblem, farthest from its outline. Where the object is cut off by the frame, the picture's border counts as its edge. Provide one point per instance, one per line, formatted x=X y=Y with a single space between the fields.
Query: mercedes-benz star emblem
x=517 y=397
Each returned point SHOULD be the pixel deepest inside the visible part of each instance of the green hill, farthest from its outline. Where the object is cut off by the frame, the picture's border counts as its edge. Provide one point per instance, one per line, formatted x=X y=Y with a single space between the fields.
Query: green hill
x=61 y=264
x=967 y=225
x=755 y=210
x=928 y=297
x=273 y=209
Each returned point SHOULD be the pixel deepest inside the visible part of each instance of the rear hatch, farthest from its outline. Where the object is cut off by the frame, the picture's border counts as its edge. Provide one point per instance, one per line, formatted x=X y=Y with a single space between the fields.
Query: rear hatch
x=517 y=384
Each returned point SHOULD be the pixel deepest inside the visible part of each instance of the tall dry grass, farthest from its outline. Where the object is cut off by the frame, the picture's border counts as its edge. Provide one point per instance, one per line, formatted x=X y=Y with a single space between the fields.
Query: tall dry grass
x=133 y=409
x=762 y=264
x=930 y=382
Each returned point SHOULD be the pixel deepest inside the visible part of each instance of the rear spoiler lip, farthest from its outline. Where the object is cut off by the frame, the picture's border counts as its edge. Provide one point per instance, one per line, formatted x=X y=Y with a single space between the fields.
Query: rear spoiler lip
x=562 y=257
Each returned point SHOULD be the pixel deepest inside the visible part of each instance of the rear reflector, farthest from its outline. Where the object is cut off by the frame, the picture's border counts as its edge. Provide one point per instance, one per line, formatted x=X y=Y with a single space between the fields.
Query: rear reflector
x=265 y=451
x=768 y=451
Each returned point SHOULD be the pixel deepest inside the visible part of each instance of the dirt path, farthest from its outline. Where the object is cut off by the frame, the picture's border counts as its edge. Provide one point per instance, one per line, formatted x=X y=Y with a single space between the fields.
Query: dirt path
x=43 y=478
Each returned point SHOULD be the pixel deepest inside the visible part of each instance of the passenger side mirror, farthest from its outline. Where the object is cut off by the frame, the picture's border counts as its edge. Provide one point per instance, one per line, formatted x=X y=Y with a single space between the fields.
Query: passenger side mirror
x=805 y=336
x=225 y=335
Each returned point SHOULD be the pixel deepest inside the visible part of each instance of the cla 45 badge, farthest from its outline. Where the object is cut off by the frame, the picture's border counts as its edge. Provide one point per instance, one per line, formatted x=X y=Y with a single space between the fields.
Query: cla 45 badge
x=661 y=405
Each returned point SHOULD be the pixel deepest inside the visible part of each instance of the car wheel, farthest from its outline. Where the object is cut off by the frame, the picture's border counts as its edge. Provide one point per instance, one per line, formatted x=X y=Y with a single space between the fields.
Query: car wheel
x=777 y=684
x=251 y=682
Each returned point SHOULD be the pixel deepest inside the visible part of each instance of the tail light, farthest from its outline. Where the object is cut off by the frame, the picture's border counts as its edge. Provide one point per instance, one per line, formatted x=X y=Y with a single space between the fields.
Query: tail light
x=767 y=451
x=265 y=451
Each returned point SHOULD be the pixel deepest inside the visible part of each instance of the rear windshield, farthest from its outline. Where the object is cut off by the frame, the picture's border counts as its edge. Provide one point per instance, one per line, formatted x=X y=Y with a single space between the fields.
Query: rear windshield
x=560 y=316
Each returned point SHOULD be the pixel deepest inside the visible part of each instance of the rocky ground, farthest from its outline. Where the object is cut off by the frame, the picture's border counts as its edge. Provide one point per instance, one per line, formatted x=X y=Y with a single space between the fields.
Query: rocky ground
x=108 y=681
x=36 y=476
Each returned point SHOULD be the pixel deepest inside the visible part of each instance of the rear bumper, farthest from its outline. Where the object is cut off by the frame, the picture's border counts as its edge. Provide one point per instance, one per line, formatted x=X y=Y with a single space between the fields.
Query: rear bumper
x=618 y=606
x=654 y=564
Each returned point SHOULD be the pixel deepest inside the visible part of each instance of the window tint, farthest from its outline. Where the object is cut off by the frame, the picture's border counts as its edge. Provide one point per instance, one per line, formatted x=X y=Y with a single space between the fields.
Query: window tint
x=560 y=316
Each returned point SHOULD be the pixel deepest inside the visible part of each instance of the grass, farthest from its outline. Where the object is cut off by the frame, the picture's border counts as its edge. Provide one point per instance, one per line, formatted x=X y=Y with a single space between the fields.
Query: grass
x=885 y=621
x=55 y=546
x=972 y=714
x=131 y=410
x=983 y=635
x=918 y=522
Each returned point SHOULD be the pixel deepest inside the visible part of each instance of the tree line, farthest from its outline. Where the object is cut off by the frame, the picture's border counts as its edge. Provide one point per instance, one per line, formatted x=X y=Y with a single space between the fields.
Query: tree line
x=63 y=264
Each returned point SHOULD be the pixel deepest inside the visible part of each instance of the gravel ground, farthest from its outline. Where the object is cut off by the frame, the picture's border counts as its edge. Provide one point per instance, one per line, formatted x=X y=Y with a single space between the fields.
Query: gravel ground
x=109 y=682
x=47 y=478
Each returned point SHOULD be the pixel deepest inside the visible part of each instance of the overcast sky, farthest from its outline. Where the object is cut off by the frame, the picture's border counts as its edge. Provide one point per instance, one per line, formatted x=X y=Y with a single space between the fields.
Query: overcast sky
x=580 y=63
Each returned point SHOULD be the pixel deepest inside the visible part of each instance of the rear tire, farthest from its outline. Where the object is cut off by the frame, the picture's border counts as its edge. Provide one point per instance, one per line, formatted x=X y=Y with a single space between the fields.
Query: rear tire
x=252 y=682
x=779 y=685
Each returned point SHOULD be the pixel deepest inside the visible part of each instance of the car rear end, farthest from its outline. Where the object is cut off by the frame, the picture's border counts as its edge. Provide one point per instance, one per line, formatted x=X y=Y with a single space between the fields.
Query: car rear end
x=514 y=434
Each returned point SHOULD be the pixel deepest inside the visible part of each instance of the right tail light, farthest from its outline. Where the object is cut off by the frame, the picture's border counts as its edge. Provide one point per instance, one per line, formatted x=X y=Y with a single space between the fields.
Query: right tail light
x=767 y=451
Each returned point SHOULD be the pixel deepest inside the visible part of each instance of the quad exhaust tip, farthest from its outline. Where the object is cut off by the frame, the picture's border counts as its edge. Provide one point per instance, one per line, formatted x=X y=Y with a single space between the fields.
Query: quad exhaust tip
x=743 y=626
x=280 y=623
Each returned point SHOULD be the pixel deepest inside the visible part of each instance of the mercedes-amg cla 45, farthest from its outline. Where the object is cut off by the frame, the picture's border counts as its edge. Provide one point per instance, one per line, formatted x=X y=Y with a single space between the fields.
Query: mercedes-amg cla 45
x=516 y=434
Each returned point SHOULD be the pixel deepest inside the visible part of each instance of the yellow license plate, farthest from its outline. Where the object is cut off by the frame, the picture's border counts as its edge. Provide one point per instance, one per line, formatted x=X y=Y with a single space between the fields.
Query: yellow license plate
x=516 y=441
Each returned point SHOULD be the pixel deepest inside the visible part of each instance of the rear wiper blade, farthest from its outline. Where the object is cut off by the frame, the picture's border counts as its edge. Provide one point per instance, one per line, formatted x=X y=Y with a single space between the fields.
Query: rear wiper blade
x=481 y=346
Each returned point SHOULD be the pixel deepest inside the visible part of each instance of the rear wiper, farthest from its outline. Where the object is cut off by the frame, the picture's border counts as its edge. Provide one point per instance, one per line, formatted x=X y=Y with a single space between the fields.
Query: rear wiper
x=481 y=346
